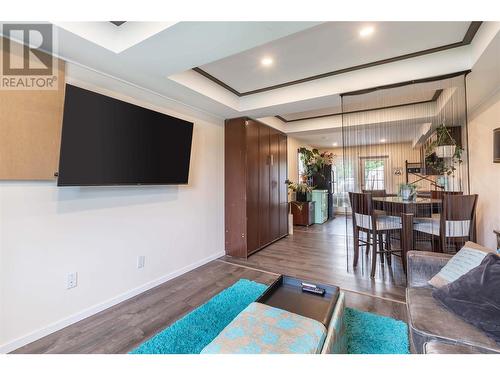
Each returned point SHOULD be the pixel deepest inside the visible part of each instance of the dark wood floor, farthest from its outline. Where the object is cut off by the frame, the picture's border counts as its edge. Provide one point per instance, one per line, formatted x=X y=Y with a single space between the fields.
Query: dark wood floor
x=123 y=327
x=324 y=253
x=319 y=253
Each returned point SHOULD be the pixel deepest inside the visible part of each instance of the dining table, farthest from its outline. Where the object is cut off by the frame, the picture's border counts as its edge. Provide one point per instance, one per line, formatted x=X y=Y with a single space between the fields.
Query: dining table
x=407 y=210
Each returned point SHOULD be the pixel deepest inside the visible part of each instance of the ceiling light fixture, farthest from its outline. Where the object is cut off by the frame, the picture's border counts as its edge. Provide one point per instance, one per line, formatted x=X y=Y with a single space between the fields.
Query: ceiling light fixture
x=335 y=144
x=267 y=61
x=383 y=140
x=366 y=31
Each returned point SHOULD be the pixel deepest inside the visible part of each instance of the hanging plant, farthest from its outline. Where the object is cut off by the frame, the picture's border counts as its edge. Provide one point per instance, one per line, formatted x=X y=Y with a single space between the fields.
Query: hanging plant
x=441 y=149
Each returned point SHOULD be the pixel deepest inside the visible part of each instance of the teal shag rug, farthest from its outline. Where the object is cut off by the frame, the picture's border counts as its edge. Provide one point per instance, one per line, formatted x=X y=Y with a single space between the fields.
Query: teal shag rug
x=194 y=331
x=366 y=333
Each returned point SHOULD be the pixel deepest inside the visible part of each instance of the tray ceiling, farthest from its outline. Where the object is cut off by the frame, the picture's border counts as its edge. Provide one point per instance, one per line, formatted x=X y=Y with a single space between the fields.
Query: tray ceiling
x=331 y=47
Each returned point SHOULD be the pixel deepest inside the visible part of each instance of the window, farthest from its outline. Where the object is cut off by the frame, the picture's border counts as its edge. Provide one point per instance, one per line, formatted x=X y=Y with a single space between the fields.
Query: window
x=302 y=167
x=344 y=182
x=373 y=173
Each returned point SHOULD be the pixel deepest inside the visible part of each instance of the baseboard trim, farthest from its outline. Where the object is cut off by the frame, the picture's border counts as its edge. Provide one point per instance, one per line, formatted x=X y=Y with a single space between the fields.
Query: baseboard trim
x=56 y=326
x=247 y=267
x=374 y=296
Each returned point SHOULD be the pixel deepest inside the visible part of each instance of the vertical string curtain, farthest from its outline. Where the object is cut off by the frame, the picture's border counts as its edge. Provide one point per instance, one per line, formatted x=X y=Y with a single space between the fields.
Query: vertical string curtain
x=413 y=134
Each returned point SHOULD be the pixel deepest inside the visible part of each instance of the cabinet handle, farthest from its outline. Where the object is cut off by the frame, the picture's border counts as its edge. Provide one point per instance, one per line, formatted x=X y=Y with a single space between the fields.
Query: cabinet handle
x=272 y=159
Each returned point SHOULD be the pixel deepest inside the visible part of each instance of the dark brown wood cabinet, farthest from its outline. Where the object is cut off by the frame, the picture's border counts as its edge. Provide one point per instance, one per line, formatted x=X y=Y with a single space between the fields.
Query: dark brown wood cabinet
x=303 y=213
x=256 y=196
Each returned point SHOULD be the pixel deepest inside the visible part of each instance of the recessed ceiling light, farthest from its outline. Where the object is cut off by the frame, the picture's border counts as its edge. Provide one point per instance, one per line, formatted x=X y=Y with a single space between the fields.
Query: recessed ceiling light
x=383 y=140
x=267 y=61
x=366 y=31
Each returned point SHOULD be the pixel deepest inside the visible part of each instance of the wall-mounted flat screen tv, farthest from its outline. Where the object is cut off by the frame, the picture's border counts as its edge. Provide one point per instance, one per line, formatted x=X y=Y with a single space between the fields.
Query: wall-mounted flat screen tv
x=106 y=141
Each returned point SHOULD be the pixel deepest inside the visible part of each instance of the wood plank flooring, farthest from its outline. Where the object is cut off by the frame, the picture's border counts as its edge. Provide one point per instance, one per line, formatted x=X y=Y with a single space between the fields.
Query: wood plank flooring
x=318 y=253
x=376 y=305
x=123 y=327
x=324 y=253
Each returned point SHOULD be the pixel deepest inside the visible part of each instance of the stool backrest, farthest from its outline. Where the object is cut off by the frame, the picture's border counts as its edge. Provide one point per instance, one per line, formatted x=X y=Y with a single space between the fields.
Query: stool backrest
x=459 y=207
x=439 y=194
x=362 y=210
x=361 y=203
x=458 y=216
x=375 y=193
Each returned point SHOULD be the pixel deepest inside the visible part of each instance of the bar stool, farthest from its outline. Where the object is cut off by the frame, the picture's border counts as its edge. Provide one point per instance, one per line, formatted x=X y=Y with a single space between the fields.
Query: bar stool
x=455 y=224
x=375 y=225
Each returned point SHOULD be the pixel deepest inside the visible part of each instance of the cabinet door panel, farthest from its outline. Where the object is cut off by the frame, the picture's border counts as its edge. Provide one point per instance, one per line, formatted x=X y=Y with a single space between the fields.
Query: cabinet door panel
x=235 y=190
x=274 y=204
x=283 y=189
x=252 y=162
x=264 y=184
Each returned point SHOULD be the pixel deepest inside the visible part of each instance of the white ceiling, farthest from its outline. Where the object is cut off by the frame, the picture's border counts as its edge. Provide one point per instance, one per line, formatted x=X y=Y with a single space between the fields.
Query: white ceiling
x=390 y=125
x=178 y=48
x=159 y=58
x=368 y=134
x=328 y=47
x=486 y=73
x=115 y=38
x=376 y=99
x=324 y=92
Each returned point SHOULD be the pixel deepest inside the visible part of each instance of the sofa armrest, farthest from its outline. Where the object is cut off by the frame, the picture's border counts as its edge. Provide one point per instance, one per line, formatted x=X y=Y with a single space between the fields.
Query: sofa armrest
x=444 y=347
x=423 y=265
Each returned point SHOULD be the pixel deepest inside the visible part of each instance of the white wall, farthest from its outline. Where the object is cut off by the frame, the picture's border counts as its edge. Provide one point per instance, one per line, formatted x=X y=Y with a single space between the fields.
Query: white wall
x=483 y=93
x=293 y=167
x=47 y=232
x=485 y=175
x=293 y=144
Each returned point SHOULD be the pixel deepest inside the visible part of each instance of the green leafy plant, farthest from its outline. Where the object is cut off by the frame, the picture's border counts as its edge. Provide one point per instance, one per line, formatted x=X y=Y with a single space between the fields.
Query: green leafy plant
x=314 y=161
x=300 y=189
x=410 y=188
x=443 y=138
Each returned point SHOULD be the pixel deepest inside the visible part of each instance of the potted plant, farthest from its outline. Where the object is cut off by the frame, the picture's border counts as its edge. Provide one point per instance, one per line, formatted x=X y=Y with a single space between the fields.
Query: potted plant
x=407 y=192
x=302 y=191
x=314 y=161
x=443 y=153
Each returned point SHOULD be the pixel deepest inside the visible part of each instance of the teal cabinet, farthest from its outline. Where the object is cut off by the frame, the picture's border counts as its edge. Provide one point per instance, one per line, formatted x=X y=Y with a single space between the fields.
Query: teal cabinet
x=320 y=197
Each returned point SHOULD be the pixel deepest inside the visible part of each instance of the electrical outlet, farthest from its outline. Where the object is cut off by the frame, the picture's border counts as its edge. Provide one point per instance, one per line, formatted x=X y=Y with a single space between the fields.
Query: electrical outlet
x=140 y=261
x=72 y=280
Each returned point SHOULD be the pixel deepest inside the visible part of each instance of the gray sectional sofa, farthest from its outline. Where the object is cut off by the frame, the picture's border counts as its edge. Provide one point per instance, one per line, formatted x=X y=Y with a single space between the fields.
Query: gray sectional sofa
x=433 y=329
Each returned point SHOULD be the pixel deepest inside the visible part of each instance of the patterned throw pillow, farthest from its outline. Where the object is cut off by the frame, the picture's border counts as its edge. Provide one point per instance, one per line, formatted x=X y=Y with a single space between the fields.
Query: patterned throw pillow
x=469 y=257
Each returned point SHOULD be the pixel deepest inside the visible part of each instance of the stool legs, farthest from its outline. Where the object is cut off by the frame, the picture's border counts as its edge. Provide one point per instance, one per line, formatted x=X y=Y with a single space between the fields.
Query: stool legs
x=381 y=246
x=356 y=246
x=388 y=242
x=368 y=241
x=374 y=254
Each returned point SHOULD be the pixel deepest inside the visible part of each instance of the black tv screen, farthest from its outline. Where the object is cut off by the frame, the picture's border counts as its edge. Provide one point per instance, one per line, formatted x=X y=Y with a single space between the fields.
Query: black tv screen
x=106 y=141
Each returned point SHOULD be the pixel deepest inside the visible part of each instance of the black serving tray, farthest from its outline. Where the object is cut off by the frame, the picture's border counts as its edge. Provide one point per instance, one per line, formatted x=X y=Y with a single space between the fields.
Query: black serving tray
x=286 y=294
